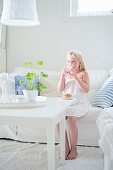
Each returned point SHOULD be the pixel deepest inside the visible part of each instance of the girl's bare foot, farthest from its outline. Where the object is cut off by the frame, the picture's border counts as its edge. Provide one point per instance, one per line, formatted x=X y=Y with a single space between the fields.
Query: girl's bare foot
x=72 y=155
x=66 y=154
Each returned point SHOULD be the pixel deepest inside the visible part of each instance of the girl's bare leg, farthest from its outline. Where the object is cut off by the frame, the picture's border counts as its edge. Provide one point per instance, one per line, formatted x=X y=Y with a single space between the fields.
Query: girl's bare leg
x=73 y=132
x=67 y=147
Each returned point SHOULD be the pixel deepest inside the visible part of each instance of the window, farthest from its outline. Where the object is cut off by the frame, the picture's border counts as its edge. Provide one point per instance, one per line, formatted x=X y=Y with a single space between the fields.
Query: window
x=91 y=7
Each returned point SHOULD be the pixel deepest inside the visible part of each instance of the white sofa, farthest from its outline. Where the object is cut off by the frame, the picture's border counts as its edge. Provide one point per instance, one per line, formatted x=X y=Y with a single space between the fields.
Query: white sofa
x=88 y=133
x=105 y=127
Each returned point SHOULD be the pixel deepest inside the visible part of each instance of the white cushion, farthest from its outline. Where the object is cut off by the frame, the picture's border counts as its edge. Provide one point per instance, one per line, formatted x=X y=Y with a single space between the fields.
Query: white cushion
x=91 y=95
x=111 y=72
x=23 y=70
x=104 y=97
x=51 y=83
x=97 y=78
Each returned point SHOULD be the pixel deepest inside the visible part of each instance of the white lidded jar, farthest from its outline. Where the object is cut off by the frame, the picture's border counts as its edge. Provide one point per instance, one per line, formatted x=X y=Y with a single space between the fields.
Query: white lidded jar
x=8 y=89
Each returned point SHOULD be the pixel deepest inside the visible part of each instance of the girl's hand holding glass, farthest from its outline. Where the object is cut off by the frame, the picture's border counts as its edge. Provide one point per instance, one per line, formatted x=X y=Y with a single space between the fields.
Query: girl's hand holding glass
x=63 y=73
x=68 y=68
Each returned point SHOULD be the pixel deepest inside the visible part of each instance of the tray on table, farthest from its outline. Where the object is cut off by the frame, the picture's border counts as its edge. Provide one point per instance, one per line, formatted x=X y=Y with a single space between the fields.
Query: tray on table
x=21 y=102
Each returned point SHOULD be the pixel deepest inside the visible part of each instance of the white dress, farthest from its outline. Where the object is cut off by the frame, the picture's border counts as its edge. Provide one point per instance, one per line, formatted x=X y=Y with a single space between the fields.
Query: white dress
x=71 y=87
x=80 y=106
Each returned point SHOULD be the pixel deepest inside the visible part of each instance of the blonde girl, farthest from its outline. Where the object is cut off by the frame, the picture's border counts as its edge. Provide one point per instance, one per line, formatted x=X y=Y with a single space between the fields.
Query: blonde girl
x=74 y=82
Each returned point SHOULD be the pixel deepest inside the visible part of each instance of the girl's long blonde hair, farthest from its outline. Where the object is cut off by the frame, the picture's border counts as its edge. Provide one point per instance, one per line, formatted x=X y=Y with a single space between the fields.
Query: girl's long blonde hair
x=78 y=56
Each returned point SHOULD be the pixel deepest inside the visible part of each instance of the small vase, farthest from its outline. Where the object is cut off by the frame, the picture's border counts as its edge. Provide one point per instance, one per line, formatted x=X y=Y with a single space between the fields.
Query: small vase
x=30 y=95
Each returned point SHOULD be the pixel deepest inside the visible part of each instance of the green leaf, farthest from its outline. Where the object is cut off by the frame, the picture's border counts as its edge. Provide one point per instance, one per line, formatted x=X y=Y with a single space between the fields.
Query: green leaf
x=43 y=86
x=28 y=63
x=30 y=87
x=25 y=64
x=43 y=75
x=38 y=88
x=21 y=82
x=30 y=76
x=40 y=62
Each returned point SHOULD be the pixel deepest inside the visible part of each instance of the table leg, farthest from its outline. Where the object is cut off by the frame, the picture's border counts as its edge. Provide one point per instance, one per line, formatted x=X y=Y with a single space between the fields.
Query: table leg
x=51 y=147
x=62 y=141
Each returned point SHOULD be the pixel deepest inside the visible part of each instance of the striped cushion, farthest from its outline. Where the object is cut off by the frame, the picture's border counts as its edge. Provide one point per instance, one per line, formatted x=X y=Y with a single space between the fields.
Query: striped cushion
x=104 y=97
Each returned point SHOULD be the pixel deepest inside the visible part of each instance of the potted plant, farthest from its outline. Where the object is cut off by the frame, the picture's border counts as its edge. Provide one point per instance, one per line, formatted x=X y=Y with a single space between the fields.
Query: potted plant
x=32 y=87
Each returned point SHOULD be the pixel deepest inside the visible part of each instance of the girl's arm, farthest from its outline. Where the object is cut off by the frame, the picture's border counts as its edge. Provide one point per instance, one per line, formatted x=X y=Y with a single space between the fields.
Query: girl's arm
x=61 y=84
x=84 y=82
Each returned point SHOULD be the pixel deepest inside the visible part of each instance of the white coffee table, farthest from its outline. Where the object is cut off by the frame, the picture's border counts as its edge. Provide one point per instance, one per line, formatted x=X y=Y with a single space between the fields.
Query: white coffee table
x=46 y=117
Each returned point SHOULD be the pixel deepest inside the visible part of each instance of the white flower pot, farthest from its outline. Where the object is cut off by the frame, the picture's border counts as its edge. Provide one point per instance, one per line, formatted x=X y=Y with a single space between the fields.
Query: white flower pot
x=30 y=95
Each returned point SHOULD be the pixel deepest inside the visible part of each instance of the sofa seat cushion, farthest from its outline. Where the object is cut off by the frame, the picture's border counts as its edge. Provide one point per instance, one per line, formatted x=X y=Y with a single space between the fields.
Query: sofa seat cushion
x=97 y=78
x=87 y=125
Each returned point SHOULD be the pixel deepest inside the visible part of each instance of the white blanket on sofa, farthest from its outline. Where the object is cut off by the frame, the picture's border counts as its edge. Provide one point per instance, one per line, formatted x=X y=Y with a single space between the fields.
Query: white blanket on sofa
x=105 y=126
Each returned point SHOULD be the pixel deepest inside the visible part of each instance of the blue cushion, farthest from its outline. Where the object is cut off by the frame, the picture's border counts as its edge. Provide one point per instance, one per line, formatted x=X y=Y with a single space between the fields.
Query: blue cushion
x=104 y=97
x=20 y=86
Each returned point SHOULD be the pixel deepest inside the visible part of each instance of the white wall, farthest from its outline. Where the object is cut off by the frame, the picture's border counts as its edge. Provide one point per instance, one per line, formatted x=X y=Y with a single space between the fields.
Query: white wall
x=2 y=60
x=58 y=34
x=2 y=44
